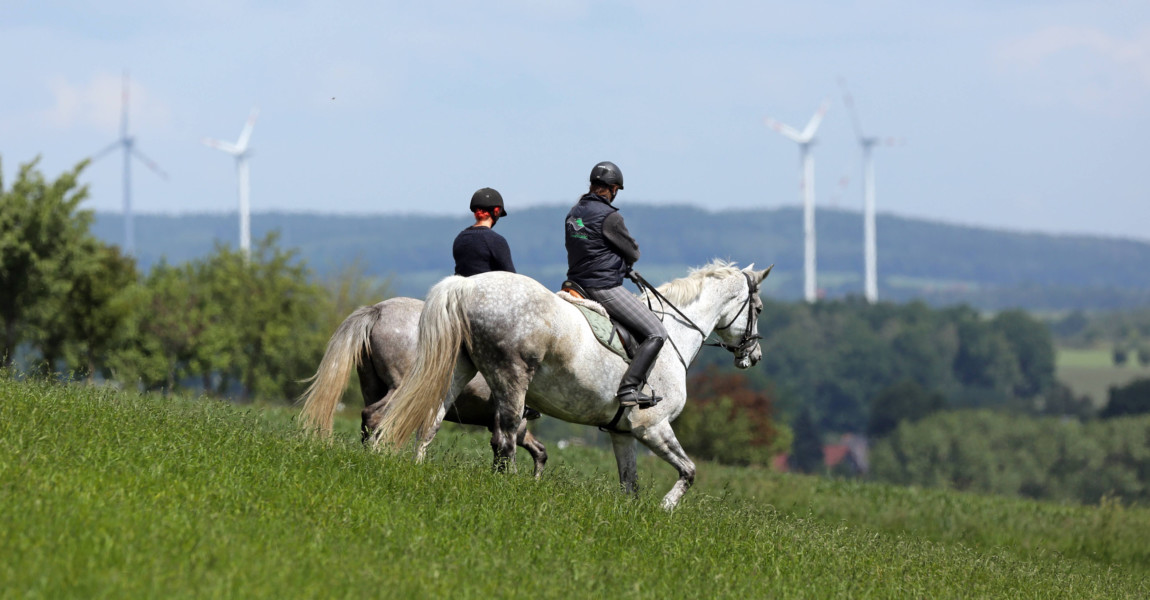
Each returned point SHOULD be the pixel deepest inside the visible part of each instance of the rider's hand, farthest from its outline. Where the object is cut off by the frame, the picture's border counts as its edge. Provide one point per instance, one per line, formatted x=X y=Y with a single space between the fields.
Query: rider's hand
x=633 y=275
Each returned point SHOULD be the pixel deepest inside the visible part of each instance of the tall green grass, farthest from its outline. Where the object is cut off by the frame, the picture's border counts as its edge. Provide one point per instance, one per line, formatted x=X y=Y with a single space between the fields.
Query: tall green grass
x=107 y=494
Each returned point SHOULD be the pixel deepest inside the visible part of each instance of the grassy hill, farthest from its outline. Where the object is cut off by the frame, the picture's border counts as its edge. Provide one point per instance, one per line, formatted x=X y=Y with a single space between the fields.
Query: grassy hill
x=938 y=262
x=108 y=494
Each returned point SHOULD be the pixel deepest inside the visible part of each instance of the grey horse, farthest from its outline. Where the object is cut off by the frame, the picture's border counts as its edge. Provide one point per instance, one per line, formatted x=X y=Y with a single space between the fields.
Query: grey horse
x=533 y=347
x=385 y=334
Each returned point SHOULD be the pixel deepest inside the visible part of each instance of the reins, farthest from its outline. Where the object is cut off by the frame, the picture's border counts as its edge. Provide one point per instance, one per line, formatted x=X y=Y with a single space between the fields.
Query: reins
x=744 y=343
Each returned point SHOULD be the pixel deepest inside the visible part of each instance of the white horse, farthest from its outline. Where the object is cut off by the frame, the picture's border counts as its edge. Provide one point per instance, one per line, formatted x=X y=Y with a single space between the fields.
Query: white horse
x=534 y=347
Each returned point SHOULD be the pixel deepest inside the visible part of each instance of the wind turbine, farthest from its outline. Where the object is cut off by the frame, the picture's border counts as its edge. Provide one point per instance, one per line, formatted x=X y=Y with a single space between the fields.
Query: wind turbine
x=128 y=143
x=870 y=250
x=241 y=151
x=805 y=139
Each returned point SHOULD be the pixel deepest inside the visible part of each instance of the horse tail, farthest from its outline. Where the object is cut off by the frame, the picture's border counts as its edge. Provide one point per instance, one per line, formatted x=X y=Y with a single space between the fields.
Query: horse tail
x=444 y=331
x=346 y=349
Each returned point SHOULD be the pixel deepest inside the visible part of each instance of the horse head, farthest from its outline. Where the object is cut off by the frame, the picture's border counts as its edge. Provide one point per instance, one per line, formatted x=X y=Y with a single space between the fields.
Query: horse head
x=738 y=324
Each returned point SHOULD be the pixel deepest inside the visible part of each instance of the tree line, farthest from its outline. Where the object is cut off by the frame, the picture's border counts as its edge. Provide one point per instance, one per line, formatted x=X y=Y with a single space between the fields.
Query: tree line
x=226 y=324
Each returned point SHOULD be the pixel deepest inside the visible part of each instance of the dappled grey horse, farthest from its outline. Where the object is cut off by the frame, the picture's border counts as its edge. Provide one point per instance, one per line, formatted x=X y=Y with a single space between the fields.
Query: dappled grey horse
x=385 y=334
x=534 y=347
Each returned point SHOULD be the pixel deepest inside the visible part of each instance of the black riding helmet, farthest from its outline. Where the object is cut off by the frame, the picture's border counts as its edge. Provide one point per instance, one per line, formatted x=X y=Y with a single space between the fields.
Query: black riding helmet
x=607 y=173
x=487 y=198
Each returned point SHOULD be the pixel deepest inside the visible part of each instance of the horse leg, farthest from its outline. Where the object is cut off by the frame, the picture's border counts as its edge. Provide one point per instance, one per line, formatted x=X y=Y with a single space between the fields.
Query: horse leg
x=464 y=371
x=624 y=445
x=369 y=418
x=533 y=447
x=661 y=440
x=508 y=396
x=424 y=441
x=375 y=392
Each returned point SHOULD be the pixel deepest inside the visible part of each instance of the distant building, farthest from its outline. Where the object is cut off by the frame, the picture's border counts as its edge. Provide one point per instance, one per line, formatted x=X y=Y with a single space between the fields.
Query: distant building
x=851 y=454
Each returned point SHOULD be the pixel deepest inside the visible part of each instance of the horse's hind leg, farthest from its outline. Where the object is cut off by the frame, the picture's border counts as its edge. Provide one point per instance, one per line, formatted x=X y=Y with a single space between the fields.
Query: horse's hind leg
x=508 y=396
x=661 y=440
x=533 y=446
x=375 y=392
x=464 y=371
x=624 y=446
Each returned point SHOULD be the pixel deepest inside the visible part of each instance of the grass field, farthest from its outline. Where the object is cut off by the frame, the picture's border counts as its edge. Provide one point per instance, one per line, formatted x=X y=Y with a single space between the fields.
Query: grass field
x=1091 y=372
x=117 y=495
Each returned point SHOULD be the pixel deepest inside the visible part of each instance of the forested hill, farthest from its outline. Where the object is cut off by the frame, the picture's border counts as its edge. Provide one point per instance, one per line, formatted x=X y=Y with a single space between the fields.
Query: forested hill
x=938 y=262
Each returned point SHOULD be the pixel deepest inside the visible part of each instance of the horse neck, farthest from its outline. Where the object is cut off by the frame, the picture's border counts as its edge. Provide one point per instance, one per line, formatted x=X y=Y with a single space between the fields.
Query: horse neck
x=704 y=312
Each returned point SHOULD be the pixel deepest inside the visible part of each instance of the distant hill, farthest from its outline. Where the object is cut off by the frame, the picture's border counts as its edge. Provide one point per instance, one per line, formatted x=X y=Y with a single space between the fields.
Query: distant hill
x=936 y=262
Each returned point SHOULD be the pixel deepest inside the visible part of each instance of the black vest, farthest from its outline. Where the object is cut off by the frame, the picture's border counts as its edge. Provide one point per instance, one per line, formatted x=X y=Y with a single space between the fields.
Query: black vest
x=590 y=261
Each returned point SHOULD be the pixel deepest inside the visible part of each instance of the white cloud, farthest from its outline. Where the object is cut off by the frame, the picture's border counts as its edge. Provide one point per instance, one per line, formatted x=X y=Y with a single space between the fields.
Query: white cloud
x=1085 y=66
x=98 y=104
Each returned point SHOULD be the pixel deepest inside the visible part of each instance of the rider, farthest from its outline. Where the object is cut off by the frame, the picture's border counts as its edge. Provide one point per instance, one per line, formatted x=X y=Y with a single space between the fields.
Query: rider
x=600 y=252
x=478 y=249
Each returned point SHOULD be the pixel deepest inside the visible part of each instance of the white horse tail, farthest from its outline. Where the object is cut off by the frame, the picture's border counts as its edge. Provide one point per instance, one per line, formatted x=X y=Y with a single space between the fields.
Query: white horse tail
x=444 y=331
x=346 y=349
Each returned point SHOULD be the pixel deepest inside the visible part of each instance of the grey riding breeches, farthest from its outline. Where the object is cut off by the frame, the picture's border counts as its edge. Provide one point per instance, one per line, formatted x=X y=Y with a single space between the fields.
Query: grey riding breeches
x=624 y=307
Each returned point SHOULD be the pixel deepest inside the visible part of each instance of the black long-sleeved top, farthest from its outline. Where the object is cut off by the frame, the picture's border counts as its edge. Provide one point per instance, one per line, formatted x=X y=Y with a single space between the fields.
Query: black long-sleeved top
x=616 y=234
x=478 y=249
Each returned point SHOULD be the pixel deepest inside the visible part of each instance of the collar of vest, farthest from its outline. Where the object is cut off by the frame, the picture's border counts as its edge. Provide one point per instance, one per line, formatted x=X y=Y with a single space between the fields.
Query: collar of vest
x=598 y=198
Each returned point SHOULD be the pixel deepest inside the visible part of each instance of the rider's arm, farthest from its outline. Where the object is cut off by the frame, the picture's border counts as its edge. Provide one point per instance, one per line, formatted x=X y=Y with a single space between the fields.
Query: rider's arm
x=620 y=240
x=500 y=254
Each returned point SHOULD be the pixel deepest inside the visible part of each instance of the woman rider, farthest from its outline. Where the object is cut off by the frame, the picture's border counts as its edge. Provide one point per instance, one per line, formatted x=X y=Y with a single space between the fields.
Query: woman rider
x=600 y=252
x=478 y=249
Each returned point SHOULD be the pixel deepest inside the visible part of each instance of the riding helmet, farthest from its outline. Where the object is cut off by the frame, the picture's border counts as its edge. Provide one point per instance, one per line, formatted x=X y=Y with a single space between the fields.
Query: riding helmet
x=607 y=173
x=487 y=198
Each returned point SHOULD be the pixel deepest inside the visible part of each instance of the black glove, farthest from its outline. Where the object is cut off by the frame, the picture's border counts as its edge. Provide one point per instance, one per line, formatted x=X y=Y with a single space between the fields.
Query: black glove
x=633 y=275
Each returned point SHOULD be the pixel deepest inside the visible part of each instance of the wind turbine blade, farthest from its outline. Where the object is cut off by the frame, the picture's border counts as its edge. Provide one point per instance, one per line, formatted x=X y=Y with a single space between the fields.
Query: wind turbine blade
x=849 y=101
x=813 y=125
x=246 y=134
x=219 y=145
x=151 y=164
x=785 y=130
x=106 y=151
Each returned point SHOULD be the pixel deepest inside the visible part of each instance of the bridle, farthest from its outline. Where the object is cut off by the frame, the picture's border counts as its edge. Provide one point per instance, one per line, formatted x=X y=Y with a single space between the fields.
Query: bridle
x=739 y=350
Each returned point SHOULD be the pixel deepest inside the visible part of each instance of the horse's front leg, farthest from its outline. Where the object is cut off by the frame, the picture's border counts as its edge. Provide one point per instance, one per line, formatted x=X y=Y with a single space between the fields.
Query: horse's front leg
x=661 y=440
x=624 y=445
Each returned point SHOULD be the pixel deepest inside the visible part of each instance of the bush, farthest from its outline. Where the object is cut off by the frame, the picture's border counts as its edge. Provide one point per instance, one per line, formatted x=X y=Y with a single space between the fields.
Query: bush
x=727 y=421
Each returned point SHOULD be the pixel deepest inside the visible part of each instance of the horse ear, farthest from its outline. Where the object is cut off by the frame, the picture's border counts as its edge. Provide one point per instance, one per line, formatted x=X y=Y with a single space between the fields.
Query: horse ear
x=763 y=274
x=750 y=268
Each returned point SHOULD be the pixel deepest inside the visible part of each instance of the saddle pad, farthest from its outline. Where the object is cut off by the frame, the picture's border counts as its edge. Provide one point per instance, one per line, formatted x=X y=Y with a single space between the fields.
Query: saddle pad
x=603 y=329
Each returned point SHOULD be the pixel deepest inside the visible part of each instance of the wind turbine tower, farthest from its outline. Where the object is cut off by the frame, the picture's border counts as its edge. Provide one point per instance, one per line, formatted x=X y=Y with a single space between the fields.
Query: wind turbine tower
x=242 y=153
x=128 y=143
x=870 y=250
x=805 y=139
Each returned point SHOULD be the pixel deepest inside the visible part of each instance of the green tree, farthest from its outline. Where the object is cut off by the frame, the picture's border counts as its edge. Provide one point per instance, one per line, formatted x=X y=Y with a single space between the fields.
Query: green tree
x=1130 y=399
x=904 y=401
x=86 y=326
x=41 y=227
x=807 y=447
x=271 y=313
x=1033 y=347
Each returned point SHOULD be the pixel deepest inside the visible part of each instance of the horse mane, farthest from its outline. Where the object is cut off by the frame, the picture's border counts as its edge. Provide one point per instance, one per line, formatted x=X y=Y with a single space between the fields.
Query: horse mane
x=685 y=290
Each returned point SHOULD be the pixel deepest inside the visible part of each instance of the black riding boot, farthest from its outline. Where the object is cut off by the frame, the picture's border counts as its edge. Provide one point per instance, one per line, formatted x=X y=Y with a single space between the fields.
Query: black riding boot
x=630 y=389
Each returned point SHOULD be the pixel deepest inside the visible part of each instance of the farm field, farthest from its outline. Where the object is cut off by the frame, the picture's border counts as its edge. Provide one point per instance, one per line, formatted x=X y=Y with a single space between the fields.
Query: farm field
x=1091 y=372
x=109 y=494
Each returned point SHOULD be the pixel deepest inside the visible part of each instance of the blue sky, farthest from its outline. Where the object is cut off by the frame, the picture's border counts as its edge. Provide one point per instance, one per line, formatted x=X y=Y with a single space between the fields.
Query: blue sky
x=1020 y=115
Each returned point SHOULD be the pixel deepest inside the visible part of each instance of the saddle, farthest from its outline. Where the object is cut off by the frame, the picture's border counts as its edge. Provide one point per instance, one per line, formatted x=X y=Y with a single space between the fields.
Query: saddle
x=613 y=335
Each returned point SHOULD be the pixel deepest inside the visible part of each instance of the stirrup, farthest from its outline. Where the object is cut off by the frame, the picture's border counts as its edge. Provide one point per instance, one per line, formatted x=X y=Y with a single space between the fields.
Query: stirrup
x=633 y=397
